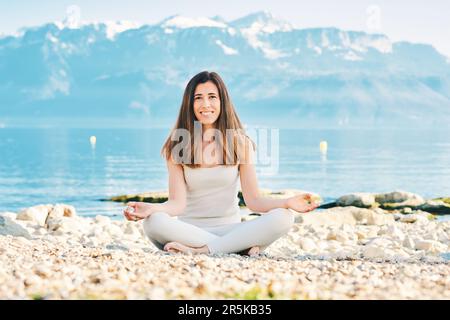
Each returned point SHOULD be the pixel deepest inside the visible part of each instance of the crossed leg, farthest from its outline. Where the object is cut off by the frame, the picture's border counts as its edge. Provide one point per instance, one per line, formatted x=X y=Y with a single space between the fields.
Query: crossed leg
x=250 y=237
x=176 y=247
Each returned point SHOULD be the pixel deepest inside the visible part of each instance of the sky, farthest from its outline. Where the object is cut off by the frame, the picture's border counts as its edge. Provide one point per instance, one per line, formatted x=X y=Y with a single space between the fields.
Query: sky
x=423 y=21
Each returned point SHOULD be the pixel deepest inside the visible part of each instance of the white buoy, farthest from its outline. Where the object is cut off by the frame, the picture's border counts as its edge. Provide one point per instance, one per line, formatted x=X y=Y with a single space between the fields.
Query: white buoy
x=93 y=140
x=323 y=147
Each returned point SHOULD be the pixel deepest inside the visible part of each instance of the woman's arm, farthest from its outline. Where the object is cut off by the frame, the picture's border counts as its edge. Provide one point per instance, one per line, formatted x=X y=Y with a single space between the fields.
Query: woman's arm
x=250 y=190
x=174 y=206
x=256 y=203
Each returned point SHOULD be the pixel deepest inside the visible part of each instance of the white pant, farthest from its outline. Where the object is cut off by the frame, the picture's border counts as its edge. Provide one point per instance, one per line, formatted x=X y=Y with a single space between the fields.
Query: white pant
x=161 y=228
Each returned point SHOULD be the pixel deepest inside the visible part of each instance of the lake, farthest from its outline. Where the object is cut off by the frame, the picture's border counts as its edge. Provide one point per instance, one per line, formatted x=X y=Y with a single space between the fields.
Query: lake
x=39 y=166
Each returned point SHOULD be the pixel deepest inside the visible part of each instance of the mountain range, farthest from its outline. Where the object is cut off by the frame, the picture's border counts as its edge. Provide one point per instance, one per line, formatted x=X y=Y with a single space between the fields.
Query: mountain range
x=125 y=74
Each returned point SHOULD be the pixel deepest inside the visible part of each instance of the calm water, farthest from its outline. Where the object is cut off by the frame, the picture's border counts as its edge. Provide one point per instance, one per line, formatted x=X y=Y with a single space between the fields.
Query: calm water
x=59 y=165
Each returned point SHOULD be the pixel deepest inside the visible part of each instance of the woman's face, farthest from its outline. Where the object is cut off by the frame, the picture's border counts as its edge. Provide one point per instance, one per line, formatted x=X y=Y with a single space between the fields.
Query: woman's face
x=206 y=103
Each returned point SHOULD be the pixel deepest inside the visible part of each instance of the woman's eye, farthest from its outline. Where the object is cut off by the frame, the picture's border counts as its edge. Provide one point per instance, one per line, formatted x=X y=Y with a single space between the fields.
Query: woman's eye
x=213 y=97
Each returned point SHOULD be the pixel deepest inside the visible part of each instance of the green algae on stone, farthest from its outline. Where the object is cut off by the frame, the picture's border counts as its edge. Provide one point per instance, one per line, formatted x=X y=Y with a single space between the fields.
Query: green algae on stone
x=445 y=200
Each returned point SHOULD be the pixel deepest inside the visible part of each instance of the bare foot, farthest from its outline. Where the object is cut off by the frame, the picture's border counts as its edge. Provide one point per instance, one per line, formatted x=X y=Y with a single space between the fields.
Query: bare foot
x=253 y=251
x=176 y=247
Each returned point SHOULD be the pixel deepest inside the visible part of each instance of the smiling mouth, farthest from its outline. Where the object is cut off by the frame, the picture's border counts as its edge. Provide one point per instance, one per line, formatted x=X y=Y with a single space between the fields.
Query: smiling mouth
x=206 y=113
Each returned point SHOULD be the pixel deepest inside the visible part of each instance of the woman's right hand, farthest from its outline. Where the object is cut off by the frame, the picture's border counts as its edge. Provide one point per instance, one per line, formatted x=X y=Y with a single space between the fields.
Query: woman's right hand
x=139 y=210
x=304 y=202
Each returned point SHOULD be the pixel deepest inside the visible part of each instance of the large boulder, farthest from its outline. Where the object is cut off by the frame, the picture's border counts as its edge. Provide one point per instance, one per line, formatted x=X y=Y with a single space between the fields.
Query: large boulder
x=62 y=210
x=359 y=199
x=40 y=214
x=63 y=225
x=398 y=200
x=10 y=227
x=436 y=207
x=372 y=217
x=37 y=214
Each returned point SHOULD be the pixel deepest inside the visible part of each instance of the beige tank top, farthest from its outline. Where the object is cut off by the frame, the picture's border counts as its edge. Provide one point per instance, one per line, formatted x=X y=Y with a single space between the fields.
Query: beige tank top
x=212 y=196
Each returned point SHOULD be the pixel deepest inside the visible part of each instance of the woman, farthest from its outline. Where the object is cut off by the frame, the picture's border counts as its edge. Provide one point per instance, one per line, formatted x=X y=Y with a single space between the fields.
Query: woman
x=202 y=213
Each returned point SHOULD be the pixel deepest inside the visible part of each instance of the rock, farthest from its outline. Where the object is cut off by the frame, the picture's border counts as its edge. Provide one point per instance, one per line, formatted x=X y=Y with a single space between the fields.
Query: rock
x=444 y=199
x=372 y=231
x=64 y=225
x=8 y=214
x=113 y=230
x=342 y=237
x=374 y=252
x=413 y=218
x=294 y=233
x=430 y=245
x=381 y=248
x=117 y=246
x=102 y=220
x=359 y=199
x=131 y=230
x=361 y=235
x=334 y=246
x=344 y=234
x=62 y=210
x=151 y=197
x=394 y=232
x=443 y=237
x=408 y=242
x=431 y=236
x=372 y=217
x=399 y=200
x=436 y=207
x=332 y=235
x=380 y=242
x=334 y=216
x=307 y=244
x=42 y=271
x=406 y=210
x=398 y=197
x=40 y=231
x=96 y=231
x=36 y=214
x=92 y=242
x=10 y=227
x=322 y=245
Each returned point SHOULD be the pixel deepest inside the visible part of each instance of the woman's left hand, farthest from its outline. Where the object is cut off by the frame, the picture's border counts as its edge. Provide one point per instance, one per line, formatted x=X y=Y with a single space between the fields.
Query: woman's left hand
x=136 y=211
x=304 y=202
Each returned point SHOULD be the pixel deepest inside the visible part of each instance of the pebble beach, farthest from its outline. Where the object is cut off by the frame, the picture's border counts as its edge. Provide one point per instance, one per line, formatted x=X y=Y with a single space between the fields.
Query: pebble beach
x=346 y=252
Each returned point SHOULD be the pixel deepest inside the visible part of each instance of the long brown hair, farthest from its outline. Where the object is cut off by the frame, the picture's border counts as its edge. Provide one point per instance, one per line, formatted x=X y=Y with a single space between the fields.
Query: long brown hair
x=235 y=150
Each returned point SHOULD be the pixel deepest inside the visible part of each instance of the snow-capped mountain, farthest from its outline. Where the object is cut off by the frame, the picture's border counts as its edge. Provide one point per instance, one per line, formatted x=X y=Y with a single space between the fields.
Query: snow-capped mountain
x=277 y=74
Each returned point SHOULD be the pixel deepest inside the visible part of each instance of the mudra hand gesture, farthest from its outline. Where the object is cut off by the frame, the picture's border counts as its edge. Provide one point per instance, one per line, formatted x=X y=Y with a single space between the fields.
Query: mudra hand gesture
x=136 y=211
x=304 y=202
